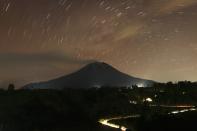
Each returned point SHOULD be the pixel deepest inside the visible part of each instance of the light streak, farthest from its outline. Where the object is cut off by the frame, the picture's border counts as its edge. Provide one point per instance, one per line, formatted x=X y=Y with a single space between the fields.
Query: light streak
x=107 y=123
x=175 y=106
x=182 y=111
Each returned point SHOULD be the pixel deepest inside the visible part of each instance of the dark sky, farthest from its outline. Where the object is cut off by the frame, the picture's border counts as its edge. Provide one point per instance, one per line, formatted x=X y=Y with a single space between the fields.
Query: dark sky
x=43 y=39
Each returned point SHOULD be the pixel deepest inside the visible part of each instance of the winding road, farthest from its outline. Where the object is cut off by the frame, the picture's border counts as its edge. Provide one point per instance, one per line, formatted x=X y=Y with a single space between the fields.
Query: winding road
x=107 y=123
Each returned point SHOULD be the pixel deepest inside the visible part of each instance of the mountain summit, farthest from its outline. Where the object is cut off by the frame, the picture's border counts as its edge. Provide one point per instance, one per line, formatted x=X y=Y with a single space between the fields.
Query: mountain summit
x=97 y=74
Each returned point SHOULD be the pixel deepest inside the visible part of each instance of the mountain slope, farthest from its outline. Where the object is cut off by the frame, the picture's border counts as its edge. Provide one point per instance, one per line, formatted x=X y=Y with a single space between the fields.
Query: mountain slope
x=96 y=74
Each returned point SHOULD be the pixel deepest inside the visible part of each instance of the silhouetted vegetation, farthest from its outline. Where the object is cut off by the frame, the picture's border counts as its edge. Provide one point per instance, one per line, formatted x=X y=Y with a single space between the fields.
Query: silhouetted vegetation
x=52 y=110
x=80 y=109
x=11 y=87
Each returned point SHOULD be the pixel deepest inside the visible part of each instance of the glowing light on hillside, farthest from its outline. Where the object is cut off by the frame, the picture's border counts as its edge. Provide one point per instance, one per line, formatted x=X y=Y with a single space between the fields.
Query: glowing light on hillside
x=133 y=102
x=123 y=128
x=175 y=112
x=140 y=85
x=193 y=109
x=149 y=100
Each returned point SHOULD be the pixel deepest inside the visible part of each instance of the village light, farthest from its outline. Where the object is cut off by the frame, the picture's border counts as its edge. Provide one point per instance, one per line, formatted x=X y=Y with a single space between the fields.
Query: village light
x=149 y=100
x=123 y=128
x=140 y=85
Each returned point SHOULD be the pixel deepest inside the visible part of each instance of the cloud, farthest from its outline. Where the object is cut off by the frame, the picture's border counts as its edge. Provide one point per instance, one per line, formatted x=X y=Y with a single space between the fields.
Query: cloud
x=51 y=57
x=128 y=32
x=174 y=5
x=157 y=9
x=21 y=68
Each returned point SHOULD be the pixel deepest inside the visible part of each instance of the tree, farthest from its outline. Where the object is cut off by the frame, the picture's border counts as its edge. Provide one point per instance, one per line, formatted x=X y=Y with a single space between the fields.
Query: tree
x=11 y=87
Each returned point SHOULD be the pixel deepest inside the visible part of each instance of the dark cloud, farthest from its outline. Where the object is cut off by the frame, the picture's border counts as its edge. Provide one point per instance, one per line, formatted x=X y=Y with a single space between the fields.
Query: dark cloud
x=50 y=57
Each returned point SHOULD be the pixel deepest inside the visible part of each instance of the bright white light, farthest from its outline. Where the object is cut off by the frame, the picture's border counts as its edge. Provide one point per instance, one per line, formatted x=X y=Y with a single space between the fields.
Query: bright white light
x=133 y=102
x=123 y=128
x=175 y=112
x=105 y=122
x=149 y=100
x=181 y=111
x=184 y=110
x=140 y=85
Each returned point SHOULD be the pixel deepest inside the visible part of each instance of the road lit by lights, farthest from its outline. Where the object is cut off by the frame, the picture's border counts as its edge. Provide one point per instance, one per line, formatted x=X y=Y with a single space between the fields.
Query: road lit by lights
x=175 y=106
x=107 y=123
x=181 y=111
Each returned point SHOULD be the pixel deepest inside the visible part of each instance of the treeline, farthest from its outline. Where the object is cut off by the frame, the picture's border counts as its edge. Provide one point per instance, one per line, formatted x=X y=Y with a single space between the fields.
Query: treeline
x=80 y=109
x=183 y=92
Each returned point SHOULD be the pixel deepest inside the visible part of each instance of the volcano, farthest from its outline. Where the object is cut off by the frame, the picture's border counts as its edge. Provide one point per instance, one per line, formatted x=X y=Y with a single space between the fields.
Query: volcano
x=97 y=74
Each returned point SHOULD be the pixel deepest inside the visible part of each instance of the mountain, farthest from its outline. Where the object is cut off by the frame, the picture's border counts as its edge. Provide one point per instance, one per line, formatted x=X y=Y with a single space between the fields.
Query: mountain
x=95 y=74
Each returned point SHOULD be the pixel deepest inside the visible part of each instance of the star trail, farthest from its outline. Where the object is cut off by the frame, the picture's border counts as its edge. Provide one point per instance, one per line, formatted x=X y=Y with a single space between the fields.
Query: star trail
x=43 y=39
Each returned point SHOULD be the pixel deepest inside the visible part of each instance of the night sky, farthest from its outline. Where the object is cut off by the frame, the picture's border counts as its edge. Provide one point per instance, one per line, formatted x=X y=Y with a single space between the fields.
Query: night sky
x=44 y=39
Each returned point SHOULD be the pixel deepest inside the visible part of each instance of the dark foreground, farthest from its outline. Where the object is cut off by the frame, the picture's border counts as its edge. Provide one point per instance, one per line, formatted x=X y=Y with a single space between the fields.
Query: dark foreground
x=179 y=122
x=80 y=110
x=52 y=110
